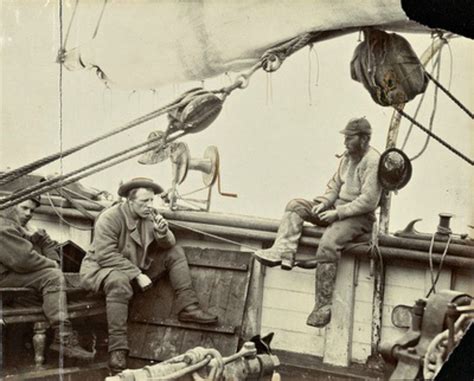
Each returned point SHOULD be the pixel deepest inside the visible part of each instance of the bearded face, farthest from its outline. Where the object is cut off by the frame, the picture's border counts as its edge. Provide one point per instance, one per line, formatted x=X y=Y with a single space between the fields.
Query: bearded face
x=356 y=144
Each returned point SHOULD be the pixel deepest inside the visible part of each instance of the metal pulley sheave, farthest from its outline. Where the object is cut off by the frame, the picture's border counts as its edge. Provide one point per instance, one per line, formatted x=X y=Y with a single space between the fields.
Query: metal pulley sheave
x=198 y=109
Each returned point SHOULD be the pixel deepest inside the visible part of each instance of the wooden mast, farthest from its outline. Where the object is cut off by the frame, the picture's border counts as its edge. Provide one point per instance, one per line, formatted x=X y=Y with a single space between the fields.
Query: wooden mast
x=374 y=359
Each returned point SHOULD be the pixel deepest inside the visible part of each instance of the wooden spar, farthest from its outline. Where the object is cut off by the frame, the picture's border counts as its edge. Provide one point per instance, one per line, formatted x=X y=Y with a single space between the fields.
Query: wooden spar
x=392 y=134
x=375 y=359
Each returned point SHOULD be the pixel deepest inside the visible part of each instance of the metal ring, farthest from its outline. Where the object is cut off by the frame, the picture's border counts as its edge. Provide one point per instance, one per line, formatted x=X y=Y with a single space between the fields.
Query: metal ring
x=244 y=81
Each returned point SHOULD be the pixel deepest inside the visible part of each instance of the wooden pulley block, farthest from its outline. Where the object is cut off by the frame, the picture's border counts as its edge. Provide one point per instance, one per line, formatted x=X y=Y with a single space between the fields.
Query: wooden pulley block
x=198 y=110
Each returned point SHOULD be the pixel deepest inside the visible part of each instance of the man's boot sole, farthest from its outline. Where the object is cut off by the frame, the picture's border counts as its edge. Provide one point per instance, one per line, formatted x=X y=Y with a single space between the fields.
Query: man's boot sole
x=204 y=322
x=268 y=262
x=287 y=264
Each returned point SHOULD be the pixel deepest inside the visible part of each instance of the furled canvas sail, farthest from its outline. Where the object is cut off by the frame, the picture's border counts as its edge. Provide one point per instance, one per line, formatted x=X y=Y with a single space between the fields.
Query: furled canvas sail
x=145 y=44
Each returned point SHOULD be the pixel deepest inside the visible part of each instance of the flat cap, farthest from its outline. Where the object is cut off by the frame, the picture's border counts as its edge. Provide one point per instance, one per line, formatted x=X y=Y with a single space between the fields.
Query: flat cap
x=357 y=126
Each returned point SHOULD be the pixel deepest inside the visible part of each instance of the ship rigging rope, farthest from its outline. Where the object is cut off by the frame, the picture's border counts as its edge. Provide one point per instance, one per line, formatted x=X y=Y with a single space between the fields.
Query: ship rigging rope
x=52 y=184
x=436 y=137
x=28 y=168
x=60 y=216
x=434 y=280
x=241 y=82
x=420 y=102
x=433 y=111
x=451 y=96
x=213 y=235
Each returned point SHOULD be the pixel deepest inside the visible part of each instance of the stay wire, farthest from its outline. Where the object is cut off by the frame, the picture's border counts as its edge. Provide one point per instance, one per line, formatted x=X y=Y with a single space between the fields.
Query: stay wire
x=436 y=137
x=28 y=168
x=52 y=183
x=73 y=16
x=99 y=20
x=451 y=96
x=60 y=92
x=213 y=236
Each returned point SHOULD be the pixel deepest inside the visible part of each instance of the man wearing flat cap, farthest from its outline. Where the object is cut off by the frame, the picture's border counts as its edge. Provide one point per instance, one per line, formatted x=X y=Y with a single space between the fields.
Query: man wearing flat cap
x=133 y=245
x=29 y=258
x=346 y=209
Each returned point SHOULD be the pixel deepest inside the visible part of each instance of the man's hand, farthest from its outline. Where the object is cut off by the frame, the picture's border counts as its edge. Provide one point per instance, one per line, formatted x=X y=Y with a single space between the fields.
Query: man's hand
x=318 y=208
x=143 y=281
x=160 y=224
x=329 y=216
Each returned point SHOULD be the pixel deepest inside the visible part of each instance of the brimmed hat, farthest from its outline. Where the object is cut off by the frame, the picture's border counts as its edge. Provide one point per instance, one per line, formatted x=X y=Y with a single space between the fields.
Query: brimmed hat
x=394 y=169
x=36 y=199
x=139 y=182
x=357 y=126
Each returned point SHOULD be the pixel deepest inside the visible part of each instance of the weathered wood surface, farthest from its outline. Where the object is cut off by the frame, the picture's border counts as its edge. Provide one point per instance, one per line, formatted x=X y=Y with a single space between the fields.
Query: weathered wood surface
x=221 y=280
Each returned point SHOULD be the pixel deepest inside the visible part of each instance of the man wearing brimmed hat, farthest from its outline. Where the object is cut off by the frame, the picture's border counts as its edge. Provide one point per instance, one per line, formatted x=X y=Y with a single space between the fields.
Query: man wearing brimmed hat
x=28 y=258
x=134 y=246
x=346 y=209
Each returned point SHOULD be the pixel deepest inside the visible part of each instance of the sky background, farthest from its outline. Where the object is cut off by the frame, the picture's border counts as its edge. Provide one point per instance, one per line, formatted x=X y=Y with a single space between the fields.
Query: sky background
x=277 y=138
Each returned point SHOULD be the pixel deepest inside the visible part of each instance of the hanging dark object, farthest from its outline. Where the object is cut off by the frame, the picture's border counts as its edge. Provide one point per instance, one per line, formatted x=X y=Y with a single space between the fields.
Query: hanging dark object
x=389 y=69
x=394 y=169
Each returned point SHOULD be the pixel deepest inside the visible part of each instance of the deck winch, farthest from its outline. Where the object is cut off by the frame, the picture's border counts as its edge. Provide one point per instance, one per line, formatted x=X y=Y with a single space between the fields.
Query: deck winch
x=416 y=352
x=182 y=163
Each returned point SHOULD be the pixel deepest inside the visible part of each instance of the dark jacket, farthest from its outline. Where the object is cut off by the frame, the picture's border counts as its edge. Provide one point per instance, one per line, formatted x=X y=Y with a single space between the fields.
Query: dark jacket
x=118 y=245
x=19 y=254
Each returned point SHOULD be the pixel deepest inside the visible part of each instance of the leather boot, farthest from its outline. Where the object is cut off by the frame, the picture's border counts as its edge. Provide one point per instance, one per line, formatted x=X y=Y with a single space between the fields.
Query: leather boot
x=286 y=243
x=117 y=316
x=325 y=282
x=118 y=360
x=195 y=314
x=65 y=341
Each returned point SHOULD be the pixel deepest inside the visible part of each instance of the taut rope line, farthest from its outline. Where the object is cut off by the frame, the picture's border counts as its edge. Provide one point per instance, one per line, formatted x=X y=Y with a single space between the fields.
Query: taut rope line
x=24 y=170
x=436 y=137
x=52 y=183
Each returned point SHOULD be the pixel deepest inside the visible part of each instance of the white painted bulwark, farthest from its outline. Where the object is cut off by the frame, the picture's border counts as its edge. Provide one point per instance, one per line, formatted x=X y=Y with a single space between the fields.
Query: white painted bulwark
x=288 y=299
x=338 y=345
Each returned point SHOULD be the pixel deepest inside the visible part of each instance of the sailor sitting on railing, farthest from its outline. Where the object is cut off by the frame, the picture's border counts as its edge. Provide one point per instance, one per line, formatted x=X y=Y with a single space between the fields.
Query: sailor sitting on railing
x=29 y=259
x=346 y=208
x=133 y=245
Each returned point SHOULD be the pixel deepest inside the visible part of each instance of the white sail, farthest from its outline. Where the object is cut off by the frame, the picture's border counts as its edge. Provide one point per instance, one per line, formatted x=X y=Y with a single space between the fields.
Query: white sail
x=146 y=44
